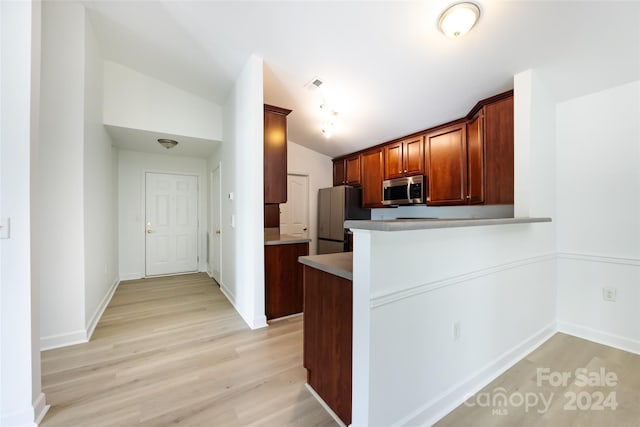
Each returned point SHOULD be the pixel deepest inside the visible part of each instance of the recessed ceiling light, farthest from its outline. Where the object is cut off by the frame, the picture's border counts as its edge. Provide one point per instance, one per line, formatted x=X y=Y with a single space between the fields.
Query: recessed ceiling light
x=458 y=19
x=167 y=143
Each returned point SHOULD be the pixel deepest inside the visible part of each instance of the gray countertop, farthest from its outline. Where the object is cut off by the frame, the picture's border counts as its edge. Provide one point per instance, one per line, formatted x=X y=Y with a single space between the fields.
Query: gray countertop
x=424 y=224
x=273 y=237
x=340 y=264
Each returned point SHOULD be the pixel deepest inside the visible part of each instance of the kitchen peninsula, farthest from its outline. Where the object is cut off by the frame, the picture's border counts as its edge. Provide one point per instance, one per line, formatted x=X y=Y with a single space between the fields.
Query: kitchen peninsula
x=385 y=313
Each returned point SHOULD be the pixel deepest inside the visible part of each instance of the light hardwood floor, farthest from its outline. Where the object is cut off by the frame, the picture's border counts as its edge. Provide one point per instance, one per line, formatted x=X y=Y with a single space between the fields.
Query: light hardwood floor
x=172 y=350
x=561 y=355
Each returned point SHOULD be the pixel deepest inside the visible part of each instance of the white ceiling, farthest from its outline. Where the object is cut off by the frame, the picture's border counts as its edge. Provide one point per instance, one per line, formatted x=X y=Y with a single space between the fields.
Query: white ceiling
x=147 y=141
x=388 y=71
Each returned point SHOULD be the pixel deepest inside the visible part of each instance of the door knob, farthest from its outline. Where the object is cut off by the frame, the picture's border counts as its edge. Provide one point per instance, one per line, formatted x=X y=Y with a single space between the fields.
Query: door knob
x=217 y=231
x=149 y=231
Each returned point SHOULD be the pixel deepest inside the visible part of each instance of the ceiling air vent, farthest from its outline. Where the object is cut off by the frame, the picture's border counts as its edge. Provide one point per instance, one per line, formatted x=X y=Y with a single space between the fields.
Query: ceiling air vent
x=314 y=84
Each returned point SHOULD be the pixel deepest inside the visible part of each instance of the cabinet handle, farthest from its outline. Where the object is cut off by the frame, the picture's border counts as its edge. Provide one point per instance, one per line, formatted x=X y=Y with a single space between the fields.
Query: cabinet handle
x=468 y=197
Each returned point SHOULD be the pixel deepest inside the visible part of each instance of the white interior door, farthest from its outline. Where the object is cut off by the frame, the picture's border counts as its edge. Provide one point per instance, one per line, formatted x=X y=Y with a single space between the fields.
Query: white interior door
x=294 y=215
x=171 y=224
x=215 y=247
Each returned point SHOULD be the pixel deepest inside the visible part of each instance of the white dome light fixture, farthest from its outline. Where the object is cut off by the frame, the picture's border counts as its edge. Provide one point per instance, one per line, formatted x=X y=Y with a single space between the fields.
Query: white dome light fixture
x=167 y=143
x=459 y=19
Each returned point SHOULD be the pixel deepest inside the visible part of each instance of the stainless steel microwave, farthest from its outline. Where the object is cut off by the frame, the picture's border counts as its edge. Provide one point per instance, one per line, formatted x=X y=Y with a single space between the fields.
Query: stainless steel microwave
x=408 y=190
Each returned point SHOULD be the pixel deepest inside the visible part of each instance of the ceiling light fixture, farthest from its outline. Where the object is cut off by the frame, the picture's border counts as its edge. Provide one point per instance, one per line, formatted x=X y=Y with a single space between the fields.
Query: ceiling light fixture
x=459 y=19
x=167 y=143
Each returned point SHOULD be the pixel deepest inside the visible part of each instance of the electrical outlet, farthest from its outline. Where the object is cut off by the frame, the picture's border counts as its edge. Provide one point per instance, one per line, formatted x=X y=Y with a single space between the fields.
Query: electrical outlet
x=609 y=294
x=456 y=330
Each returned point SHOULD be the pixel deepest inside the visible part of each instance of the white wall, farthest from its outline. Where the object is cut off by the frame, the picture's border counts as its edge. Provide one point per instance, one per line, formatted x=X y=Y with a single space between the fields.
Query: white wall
x=319 y=168
x=497 y=281
x=241 y=156
x=135 y=100
x=132 y=166
x=598 y=216
x=21 y=400
x=61 y=215
x=100 y=192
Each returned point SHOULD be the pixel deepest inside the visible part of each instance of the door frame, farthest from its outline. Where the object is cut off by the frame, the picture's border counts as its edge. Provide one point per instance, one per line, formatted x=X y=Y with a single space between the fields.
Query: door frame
x=212 y=205
x=144 y=217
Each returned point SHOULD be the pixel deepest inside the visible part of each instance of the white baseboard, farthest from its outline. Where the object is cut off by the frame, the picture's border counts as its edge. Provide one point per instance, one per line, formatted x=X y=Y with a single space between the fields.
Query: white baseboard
x=600 y=337
x=315 y=394
x=101 y=307
x=40 y=408
x=257 y=323
x=29 y=416
x=84 y=335
x=63 y=340
x=131 y=277
x=437 y=408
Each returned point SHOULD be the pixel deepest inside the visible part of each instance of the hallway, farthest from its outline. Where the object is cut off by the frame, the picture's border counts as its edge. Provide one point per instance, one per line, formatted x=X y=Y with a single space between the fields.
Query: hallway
x=172 y=350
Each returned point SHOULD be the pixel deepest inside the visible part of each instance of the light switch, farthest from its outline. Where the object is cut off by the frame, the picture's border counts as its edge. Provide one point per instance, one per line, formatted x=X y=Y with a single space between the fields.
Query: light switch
x=233 y=221
x=4 y=228
x=231 y=196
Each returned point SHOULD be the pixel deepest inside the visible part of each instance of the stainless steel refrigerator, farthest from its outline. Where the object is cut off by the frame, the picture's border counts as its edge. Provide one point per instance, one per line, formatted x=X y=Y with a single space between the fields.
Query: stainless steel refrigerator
x=335 y=206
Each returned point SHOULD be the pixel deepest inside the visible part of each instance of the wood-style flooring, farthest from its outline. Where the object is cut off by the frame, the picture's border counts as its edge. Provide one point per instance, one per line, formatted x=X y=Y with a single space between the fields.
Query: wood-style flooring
x=172 y=350
x=583 y=398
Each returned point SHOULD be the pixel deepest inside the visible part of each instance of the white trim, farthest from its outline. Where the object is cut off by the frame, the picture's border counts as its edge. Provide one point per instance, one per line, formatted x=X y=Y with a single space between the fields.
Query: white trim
x=257 y=323
x=599 y=258
x=442 y=405
x=387 y=297
x=600 y=337
x=315 y=394
x=126 y=277
x=101 y=308
x=40 y=408
x=63 y=340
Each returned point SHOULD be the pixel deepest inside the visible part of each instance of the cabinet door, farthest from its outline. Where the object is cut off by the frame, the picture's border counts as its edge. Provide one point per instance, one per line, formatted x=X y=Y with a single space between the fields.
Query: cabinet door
x=498 y=149
x=373 y=172
x=475 y=158
x=275 y=155
x=283 y=279
x=338 y=172
x=352 y=165
x=393 y=164
x=446 y=161
x=413 y=155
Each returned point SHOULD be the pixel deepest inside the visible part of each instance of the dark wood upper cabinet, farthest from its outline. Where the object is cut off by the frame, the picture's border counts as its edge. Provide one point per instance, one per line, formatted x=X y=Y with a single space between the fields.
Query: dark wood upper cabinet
x=404 y=158
x=372 y=176
x=352 y=174
x=498 y=152
x=346 y=170
x=475 y=160
x=446 y=166
x=339 y=172
x=275 y=154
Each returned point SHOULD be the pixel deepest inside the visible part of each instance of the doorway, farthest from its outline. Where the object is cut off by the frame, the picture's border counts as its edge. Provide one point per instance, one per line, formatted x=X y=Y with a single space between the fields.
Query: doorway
x=171 y=219
x=294 y=215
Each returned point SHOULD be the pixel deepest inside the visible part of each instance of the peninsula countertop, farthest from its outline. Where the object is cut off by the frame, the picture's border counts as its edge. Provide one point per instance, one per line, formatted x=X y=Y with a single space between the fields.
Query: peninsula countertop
x=339 y=264
x=273 y=237
x=430 y=223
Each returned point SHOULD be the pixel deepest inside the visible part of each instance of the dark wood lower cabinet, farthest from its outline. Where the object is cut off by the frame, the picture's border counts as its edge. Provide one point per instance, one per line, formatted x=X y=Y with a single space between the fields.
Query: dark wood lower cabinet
x=283 y=279
x=328 y=328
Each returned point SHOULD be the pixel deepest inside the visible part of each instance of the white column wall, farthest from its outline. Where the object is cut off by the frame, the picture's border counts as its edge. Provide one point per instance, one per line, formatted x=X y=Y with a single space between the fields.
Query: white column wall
x=22 y=402
x=61 y=215
x=242 y=221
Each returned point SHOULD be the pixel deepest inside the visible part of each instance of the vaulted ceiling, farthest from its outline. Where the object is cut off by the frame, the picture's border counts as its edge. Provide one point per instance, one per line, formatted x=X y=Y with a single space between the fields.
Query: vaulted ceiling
x=386 y=68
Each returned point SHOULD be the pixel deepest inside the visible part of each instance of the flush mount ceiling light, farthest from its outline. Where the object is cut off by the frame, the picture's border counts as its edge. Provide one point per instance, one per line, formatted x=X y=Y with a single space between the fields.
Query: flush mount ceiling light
x=458 y=19
x=167 y=143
